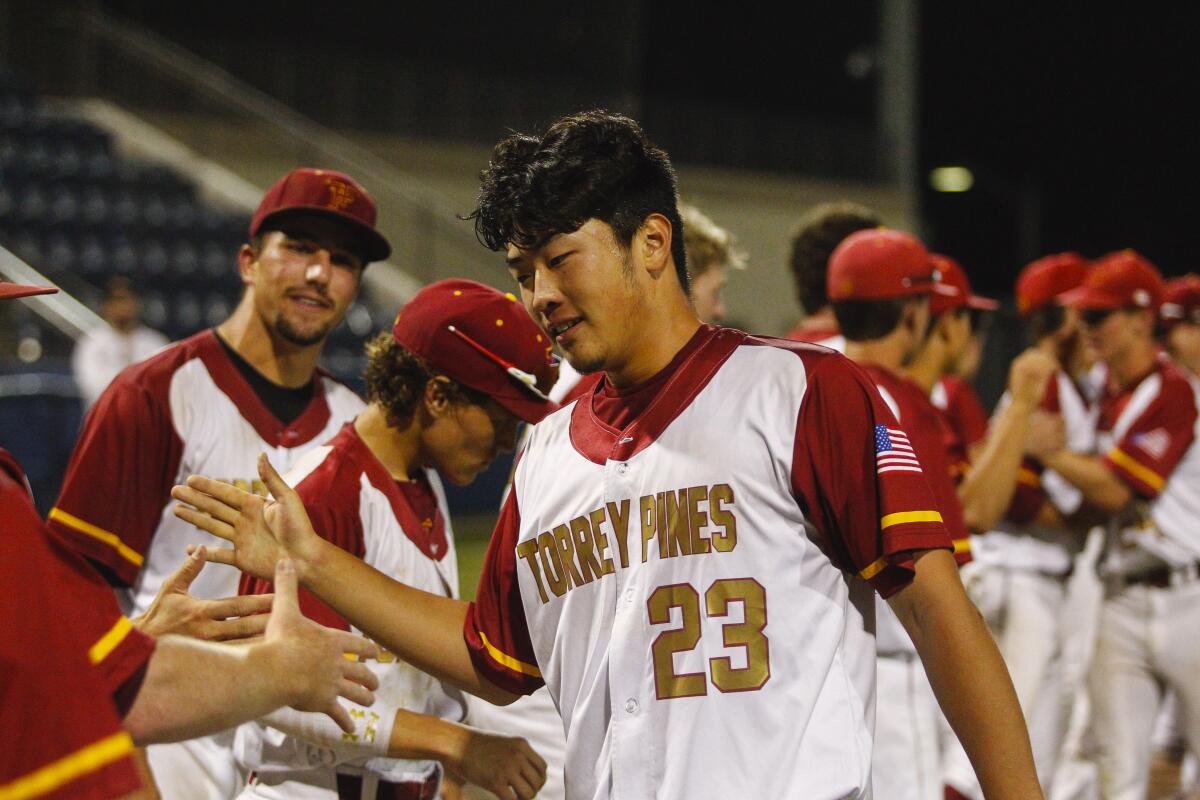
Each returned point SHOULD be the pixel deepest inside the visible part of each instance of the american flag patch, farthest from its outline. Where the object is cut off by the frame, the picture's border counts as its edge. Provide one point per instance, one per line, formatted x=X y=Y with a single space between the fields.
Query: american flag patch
x=893 y=451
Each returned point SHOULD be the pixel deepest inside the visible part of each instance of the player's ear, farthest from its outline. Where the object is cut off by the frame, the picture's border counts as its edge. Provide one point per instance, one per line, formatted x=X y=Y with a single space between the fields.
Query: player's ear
x=436 y=400
x=653 y=243
x=247 y=263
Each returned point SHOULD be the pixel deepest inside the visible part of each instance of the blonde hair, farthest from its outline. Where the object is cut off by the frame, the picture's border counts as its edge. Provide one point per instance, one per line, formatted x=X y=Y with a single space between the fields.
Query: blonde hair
x=707 y=244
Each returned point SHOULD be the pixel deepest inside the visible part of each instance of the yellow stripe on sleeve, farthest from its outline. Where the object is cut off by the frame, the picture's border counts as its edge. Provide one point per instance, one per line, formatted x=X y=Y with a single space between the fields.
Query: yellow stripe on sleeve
x=110 y=539
x=961 y=546
x=66 y=769
x=506 y=660
x=1137 y=470
x=901 y=517
x=873 y=569
x=109 y=641
x=1028 y=477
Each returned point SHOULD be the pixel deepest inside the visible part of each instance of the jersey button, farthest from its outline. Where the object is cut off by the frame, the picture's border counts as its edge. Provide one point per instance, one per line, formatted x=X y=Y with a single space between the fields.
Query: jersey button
x=622 y=468
x=631 y=706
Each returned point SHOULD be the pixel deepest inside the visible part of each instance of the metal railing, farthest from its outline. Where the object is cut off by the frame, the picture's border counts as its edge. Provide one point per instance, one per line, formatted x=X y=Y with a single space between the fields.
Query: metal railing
x=61 y=310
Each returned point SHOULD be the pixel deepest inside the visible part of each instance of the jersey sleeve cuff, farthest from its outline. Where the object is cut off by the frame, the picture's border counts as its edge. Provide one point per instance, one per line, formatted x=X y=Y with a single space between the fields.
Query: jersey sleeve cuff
x=121 y=654
x=504 y=670
x=1145 y=482
x=893 y=571
x=119 y=562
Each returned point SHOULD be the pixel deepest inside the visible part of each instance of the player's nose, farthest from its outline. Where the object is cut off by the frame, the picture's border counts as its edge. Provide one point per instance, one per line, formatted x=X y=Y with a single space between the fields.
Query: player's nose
x=320 y=267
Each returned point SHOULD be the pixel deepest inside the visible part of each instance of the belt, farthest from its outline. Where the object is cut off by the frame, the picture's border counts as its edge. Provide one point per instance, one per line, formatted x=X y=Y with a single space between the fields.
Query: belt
x=1162 y=577
x=350 y=787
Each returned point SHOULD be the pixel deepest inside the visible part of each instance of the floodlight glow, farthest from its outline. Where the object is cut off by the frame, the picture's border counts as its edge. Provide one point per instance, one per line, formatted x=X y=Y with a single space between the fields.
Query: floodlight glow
x=951 y=179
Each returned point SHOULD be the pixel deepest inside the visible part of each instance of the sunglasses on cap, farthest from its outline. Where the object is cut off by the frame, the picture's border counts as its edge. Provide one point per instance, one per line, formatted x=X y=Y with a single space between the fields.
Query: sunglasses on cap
x=525 y=379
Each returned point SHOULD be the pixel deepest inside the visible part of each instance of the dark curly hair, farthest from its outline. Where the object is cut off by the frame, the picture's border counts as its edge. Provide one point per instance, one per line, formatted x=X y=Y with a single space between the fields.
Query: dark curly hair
x=396 y=379
x=591 y=165
x=814 y=239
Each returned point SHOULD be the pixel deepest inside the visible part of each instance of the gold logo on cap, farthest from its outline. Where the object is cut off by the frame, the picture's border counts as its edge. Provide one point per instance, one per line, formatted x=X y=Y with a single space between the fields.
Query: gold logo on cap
x=340 y=195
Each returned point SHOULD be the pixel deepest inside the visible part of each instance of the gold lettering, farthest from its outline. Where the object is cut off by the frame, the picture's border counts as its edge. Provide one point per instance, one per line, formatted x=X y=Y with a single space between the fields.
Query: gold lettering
x=601 y=539
x=619 y=517
x=566 y=551
x=678 y=536
x=662 y=524
x=581 y=532
x=696 y=497
x=548 y=552
x=727 y=539
x=648 y=510
x=241 y=483
x=528 y=551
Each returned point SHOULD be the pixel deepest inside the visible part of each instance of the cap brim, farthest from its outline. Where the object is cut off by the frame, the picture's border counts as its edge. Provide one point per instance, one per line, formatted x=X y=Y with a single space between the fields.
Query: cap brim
x=374 y=246
x=524 y=405
x=1089 y=297
x=8 y=290
x=982 y=303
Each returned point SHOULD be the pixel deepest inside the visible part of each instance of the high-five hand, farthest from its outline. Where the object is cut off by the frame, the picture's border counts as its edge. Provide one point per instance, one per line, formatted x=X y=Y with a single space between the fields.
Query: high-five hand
x=174 y=610
x=262 y=531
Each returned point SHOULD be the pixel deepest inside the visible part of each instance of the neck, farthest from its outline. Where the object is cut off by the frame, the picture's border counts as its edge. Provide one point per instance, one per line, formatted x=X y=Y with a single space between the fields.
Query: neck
x=397 y=450
x=658 y=347
x=888 y=352
x=927 y=368
x=823 y=320
x=1133 y=364
x=279 y=361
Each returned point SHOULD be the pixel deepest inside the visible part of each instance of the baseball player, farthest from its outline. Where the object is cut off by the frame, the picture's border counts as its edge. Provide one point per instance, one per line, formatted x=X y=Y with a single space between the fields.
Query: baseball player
x=816 y=235
x=447 y=387
x=686 y=557
x=1179 y=321
x=1019 y=580
x=212 y=403
x=82 y=685
x=1146 y=478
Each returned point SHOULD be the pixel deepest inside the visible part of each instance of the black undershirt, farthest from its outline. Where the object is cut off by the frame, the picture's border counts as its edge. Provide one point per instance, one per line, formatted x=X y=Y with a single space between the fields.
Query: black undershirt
x=286 y=404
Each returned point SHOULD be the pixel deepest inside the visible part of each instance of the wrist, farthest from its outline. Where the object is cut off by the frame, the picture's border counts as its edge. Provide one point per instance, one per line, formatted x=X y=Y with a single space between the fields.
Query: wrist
x=268 y=663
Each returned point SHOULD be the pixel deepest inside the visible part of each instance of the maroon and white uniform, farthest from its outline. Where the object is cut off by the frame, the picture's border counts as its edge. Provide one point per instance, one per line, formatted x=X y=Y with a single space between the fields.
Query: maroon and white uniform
x=964 y=416
x=403 y=530
x=826 y=337
x=1147 y=639
x=688 y=566
x=187 y=410
x=65 y=652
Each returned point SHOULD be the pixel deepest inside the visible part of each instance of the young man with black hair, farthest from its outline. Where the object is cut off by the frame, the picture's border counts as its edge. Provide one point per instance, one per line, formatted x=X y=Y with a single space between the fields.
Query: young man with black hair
x=688 y=553
x=211 y=403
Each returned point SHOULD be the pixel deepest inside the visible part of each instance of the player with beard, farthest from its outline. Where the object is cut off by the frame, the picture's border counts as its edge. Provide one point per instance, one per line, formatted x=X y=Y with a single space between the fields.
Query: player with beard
x=211 y=403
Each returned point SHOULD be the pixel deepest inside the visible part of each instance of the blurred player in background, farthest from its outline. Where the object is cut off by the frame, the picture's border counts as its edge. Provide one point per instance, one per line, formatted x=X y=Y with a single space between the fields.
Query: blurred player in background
x=711 y=253
x=447 y=387
x=782 y=499
x=81 y=686
x=1179 y=320
x=814 y=238
x=211 y=404
x=104 y=351
x=1147 y=478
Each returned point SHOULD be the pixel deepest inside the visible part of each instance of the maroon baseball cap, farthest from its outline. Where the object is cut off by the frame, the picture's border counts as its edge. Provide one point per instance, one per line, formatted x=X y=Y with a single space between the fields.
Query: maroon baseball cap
x=8 y=290
x=1044 y=279
x=953 y=276
x=1181 y=301
x=483 y=339
x=880 y=264
x=1118 y=280
x=328 y=193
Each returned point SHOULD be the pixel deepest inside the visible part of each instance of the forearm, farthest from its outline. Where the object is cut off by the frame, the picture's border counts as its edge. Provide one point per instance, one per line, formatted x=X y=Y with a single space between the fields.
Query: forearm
x=239 y=683
x=988 y=488
x=424 y=629
x=969 y=678
x=1100 y=487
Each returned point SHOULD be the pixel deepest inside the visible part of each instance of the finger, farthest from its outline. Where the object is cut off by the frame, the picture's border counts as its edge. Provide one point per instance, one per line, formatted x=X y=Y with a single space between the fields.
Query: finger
x=285 y=589
x=355 y=693
x=204 y=522
x=182 y=578
x=522 y=787
x=225 y=492
x=213 y=506
x=534 y=774
x=349 y=643
x=276 y=485
x=240 y=627
x=340 y=716
x=217 y=555
x=360 y=674
x=537 y=760
x=241 y=606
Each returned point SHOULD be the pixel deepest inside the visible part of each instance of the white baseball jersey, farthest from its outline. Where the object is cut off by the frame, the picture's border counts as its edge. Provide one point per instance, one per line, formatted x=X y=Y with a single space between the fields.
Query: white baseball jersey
x=686 y=564
x=1147 y=436
x=403 y=530
x=1019 y=541
x=187 y=410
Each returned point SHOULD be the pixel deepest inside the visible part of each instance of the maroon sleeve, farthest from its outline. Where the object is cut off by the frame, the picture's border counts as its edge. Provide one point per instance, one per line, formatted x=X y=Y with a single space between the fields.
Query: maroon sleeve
x=874 y=517
x=61 y=737
x=119 y=478
x=966 y=412
x=1156 y=441
x=495 y=629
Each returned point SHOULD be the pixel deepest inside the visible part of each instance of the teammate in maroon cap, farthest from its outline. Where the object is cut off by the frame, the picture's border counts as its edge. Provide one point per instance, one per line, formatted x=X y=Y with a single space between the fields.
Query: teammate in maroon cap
x=1179 y=321
x=211 y=404
x=448 y=386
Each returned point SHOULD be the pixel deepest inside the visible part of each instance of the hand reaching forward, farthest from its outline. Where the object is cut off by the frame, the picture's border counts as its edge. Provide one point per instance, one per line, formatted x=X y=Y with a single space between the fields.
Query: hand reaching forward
x=176 y=611
x=262 y=531
x=504 y=765
x=309 y=660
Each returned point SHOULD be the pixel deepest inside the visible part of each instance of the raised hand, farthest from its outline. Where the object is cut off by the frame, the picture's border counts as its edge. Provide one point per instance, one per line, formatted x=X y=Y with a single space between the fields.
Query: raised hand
x=1028 y=375
x=176 y=611
x=310 y=660
x=504 y=765
x=262 y=531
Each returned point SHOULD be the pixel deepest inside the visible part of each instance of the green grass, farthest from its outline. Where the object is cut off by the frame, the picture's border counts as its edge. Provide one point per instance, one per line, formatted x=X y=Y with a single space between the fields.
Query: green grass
x=471 y=535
